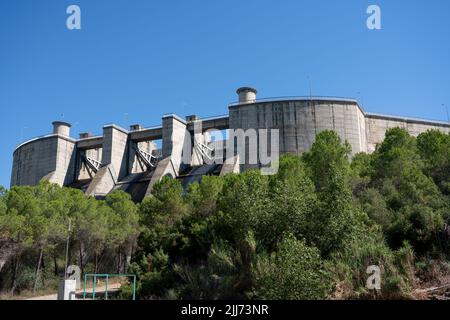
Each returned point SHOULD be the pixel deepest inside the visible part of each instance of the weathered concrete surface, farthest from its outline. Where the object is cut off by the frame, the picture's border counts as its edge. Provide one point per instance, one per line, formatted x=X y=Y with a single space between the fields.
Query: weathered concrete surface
x=174 y=139
x=114 y=164
x=65 y=162
x=103 y=182
x=230 y=166
x=61 y=159
x=61 y=128
x=115 y=144
x=39 y=157
x=377 y=125
x=300 y=120
x=83 y=171
x=67 y=290
x=136 y=165
x=199 y=138
x=165 y=167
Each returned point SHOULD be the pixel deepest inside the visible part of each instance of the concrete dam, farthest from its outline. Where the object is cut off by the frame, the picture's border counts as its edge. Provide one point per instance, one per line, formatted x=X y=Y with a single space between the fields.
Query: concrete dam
x=134 y=159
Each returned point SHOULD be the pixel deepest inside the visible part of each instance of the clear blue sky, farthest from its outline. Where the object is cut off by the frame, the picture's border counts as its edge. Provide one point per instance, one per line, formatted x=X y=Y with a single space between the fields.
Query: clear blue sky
x=136 y=60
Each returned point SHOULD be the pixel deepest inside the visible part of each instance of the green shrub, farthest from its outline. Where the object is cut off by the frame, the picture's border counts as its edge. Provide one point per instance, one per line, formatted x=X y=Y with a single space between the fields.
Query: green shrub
x=294 y=272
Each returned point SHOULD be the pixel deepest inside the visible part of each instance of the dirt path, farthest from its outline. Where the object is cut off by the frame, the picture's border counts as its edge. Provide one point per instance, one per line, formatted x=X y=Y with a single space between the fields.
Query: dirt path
x=79 y=293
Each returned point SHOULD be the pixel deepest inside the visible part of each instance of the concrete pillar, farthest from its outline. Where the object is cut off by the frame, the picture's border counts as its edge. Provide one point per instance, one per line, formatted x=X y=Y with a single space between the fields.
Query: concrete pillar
x=199 y=137
x=114 y=161
x=64 y=157
x=115 y=141
x=174 y=139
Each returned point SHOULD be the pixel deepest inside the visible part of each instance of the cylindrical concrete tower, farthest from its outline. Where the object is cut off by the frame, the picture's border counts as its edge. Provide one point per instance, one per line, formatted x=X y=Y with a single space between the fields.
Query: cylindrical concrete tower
x=61 y=128
x=246 y=94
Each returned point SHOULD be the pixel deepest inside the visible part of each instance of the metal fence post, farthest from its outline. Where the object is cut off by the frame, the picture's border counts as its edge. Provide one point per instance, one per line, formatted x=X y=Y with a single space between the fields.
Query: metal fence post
x=84 y=291
x=93 y=287
x=106 y=292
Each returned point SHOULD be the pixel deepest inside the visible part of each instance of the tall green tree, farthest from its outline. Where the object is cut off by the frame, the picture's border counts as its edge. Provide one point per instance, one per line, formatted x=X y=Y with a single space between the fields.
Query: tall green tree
x=292 y=202
x=336 y=220
x=203 y=196
x=123 y=225
x=415 y=202
x=89 y=225
x=161 y=214
x=395 y=155
x=244 y=205
x=434 y=149
x=22 y=222
x=327 y=152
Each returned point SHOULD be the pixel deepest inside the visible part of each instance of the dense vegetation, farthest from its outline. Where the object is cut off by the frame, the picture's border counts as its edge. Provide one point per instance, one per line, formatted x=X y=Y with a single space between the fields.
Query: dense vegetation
x=309 y=232
x=34 y=224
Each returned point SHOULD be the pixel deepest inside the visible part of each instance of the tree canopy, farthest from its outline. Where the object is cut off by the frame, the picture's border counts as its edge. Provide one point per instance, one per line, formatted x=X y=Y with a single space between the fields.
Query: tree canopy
x=308 y=232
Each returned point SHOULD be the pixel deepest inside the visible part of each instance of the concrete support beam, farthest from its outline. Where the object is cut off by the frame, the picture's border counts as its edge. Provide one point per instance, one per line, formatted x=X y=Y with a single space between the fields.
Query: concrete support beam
x=230 y=166
x=64 y=163
x=136 y=165
x=198 y=138
x=90 y=143
x=114 y=161
x=174 y=140
x=165 y=167
x=146 y=134
x=218 y=123
x=103 y=182
x=115 y=144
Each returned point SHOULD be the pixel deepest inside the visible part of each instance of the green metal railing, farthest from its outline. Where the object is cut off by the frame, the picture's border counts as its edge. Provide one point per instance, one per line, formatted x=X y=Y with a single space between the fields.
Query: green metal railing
x=107 y=276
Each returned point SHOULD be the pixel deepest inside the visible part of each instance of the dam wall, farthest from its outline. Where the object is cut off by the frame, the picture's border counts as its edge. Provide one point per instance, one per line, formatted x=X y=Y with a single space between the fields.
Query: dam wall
x=134 y=160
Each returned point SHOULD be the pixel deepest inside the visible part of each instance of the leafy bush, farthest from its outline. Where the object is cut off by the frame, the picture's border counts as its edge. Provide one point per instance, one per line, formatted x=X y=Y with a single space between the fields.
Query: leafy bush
x=294 y=272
